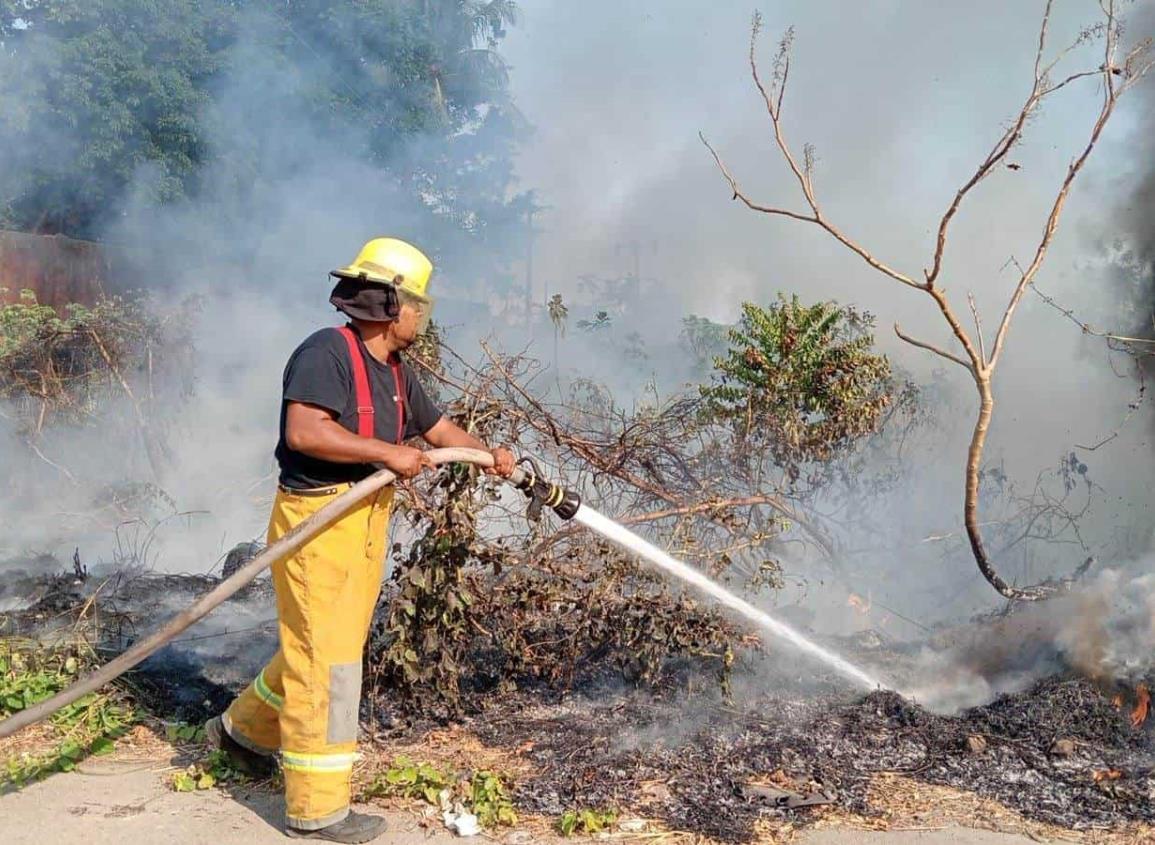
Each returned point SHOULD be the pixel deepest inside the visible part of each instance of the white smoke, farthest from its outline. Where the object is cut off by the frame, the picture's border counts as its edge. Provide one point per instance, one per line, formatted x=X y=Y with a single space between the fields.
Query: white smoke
x=1103 y=630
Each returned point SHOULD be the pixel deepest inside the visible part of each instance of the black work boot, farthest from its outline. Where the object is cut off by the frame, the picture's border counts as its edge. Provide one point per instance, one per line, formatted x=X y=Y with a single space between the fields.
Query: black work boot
x=244 y=760
x=355 y=827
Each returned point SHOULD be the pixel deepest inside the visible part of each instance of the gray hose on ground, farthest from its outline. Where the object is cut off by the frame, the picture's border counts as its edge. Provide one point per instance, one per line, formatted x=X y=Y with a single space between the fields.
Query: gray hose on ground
x=301 y=534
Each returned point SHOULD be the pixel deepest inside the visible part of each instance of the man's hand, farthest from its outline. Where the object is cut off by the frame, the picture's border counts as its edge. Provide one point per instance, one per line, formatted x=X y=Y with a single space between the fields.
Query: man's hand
x=503 y=462
x=406 y=461
x=446 y=434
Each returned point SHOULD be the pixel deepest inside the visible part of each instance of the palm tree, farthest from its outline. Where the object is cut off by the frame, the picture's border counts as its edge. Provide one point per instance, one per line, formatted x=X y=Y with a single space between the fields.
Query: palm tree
x=558 y=313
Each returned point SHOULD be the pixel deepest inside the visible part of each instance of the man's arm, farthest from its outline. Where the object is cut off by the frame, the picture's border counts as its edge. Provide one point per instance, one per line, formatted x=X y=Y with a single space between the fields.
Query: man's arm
x=448 y=434
x=313 y=431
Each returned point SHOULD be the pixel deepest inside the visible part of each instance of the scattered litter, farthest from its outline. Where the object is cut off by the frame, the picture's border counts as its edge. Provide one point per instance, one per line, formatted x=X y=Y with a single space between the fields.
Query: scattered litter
x=976 y=744
x=461 y=821
x=783 y=798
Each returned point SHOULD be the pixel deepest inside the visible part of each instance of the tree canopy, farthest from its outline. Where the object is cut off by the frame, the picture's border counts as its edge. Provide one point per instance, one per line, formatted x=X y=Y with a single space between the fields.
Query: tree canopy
x=804 y=381
x=97 y=96
x=92 y=91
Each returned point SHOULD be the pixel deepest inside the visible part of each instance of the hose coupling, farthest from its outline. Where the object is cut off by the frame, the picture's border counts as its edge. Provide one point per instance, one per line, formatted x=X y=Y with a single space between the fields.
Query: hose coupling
x=542 y=493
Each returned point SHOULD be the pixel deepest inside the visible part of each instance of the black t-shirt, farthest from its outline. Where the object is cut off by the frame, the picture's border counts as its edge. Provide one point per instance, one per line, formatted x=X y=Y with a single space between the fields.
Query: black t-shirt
x=319 y=372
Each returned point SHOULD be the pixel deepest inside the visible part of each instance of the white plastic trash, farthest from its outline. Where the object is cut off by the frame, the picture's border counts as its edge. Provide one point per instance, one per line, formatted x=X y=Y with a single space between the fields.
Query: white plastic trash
x=461 y=822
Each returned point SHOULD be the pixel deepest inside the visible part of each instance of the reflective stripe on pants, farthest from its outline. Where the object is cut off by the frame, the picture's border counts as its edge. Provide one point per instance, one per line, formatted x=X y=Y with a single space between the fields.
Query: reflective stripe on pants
x=305 y=702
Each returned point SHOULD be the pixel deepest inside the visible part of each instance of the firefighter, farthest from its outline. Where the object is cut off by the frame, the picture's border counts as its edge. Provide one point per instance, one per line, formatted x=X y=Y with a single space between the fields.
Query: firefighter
x=350 y=402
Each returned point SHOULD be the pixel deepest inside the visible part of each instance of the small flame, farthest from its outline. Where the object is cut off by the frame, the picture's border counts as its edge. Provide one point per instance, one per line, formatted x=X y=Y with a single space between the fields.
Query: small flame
x=1142 y=706
x=1106 y=774
x=858 y=603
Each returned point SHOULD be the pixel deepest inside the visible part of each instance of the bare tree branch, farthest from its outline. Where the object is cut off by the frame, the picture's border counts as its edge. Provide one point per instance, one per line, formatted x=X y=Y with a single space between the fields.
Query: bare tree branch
x=740 y=195
x=773 y=108
x=978 y=365
x=978 y=326
x=60 y=468
x=1115 y=79
x=996 y=155
x=1125 y=340
x=1137 y=347
x=930 y=347
x=1109 y=100
x=1132 y=407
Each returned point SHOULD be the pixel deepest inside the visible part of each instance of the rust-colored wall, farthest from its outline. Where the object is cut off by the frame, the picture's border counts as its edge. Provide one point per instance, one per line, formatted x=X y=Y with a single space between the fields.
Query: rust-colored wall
x=59 y=269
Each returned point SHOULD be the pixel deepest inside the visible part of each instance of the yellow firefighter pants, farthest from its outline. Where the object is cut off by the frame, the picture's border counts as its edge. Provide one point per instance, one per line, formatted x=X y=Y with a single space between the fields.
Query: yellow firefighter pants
x=305 y=702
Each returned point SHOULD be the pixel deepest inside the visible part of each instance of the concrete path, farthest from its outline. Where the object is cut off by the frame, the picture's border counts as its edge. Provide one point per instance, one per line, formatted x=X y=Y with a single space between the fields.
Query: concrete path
x=113 y=802
x=119 y=803
x=949 y=836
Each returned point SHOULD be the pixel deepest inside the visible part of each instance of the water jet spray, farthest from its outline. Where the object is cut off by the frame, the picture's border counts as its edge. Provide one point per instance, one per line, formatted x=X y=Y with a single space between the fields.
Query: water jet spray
x=630 y=541
x=567 y=505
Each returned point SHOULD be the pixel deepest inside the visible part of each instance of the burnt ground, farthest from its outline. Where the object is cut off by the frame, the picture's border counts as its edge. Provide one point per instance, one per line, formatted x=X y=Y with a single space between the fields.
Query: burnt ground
x=190 y=680
x=1059 y=752
x=703 y=766
x=691 y=765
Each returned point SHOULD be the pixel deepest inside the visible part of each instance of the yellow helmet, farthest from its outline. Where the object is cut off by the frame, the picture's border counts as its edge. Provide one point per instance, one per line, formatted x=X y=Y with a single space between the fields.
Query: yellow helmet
x=393 y=262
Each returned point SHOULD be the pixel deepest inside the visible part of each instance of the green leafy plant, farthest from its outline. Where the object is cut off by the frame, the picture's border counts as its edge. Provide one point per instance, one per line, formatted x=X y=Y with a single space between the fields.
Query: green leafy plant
x=601 y=320
x=30 y=674
x=490 y=801
x=704 y=339
x=184 y=733
x=134 y=82
x=406 y=779
x=586 y=821
x=802 y=381
x=558 y=312
x=207 y=773
x=427 y=630
x=75 y=365
x=484 y=793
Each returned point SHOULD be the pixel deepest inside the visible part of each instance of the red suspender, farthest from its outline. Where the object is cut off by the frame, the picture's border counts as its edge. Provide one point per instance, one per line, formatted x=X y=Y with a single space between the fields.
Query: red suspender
x=360 y=384
x=399 y=381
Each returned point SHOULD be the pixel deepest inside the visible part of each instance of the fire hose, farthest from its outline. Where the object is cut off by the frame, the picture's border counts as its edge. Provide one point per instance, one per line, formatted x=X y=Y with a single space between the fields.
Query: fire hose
x=528 y=479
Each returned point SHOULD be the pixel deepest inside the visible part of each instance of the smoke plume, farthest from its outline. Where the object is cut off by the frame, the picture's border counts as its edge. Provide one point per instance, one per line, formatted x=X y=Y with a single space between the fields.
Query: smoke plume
x=1103 y=631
